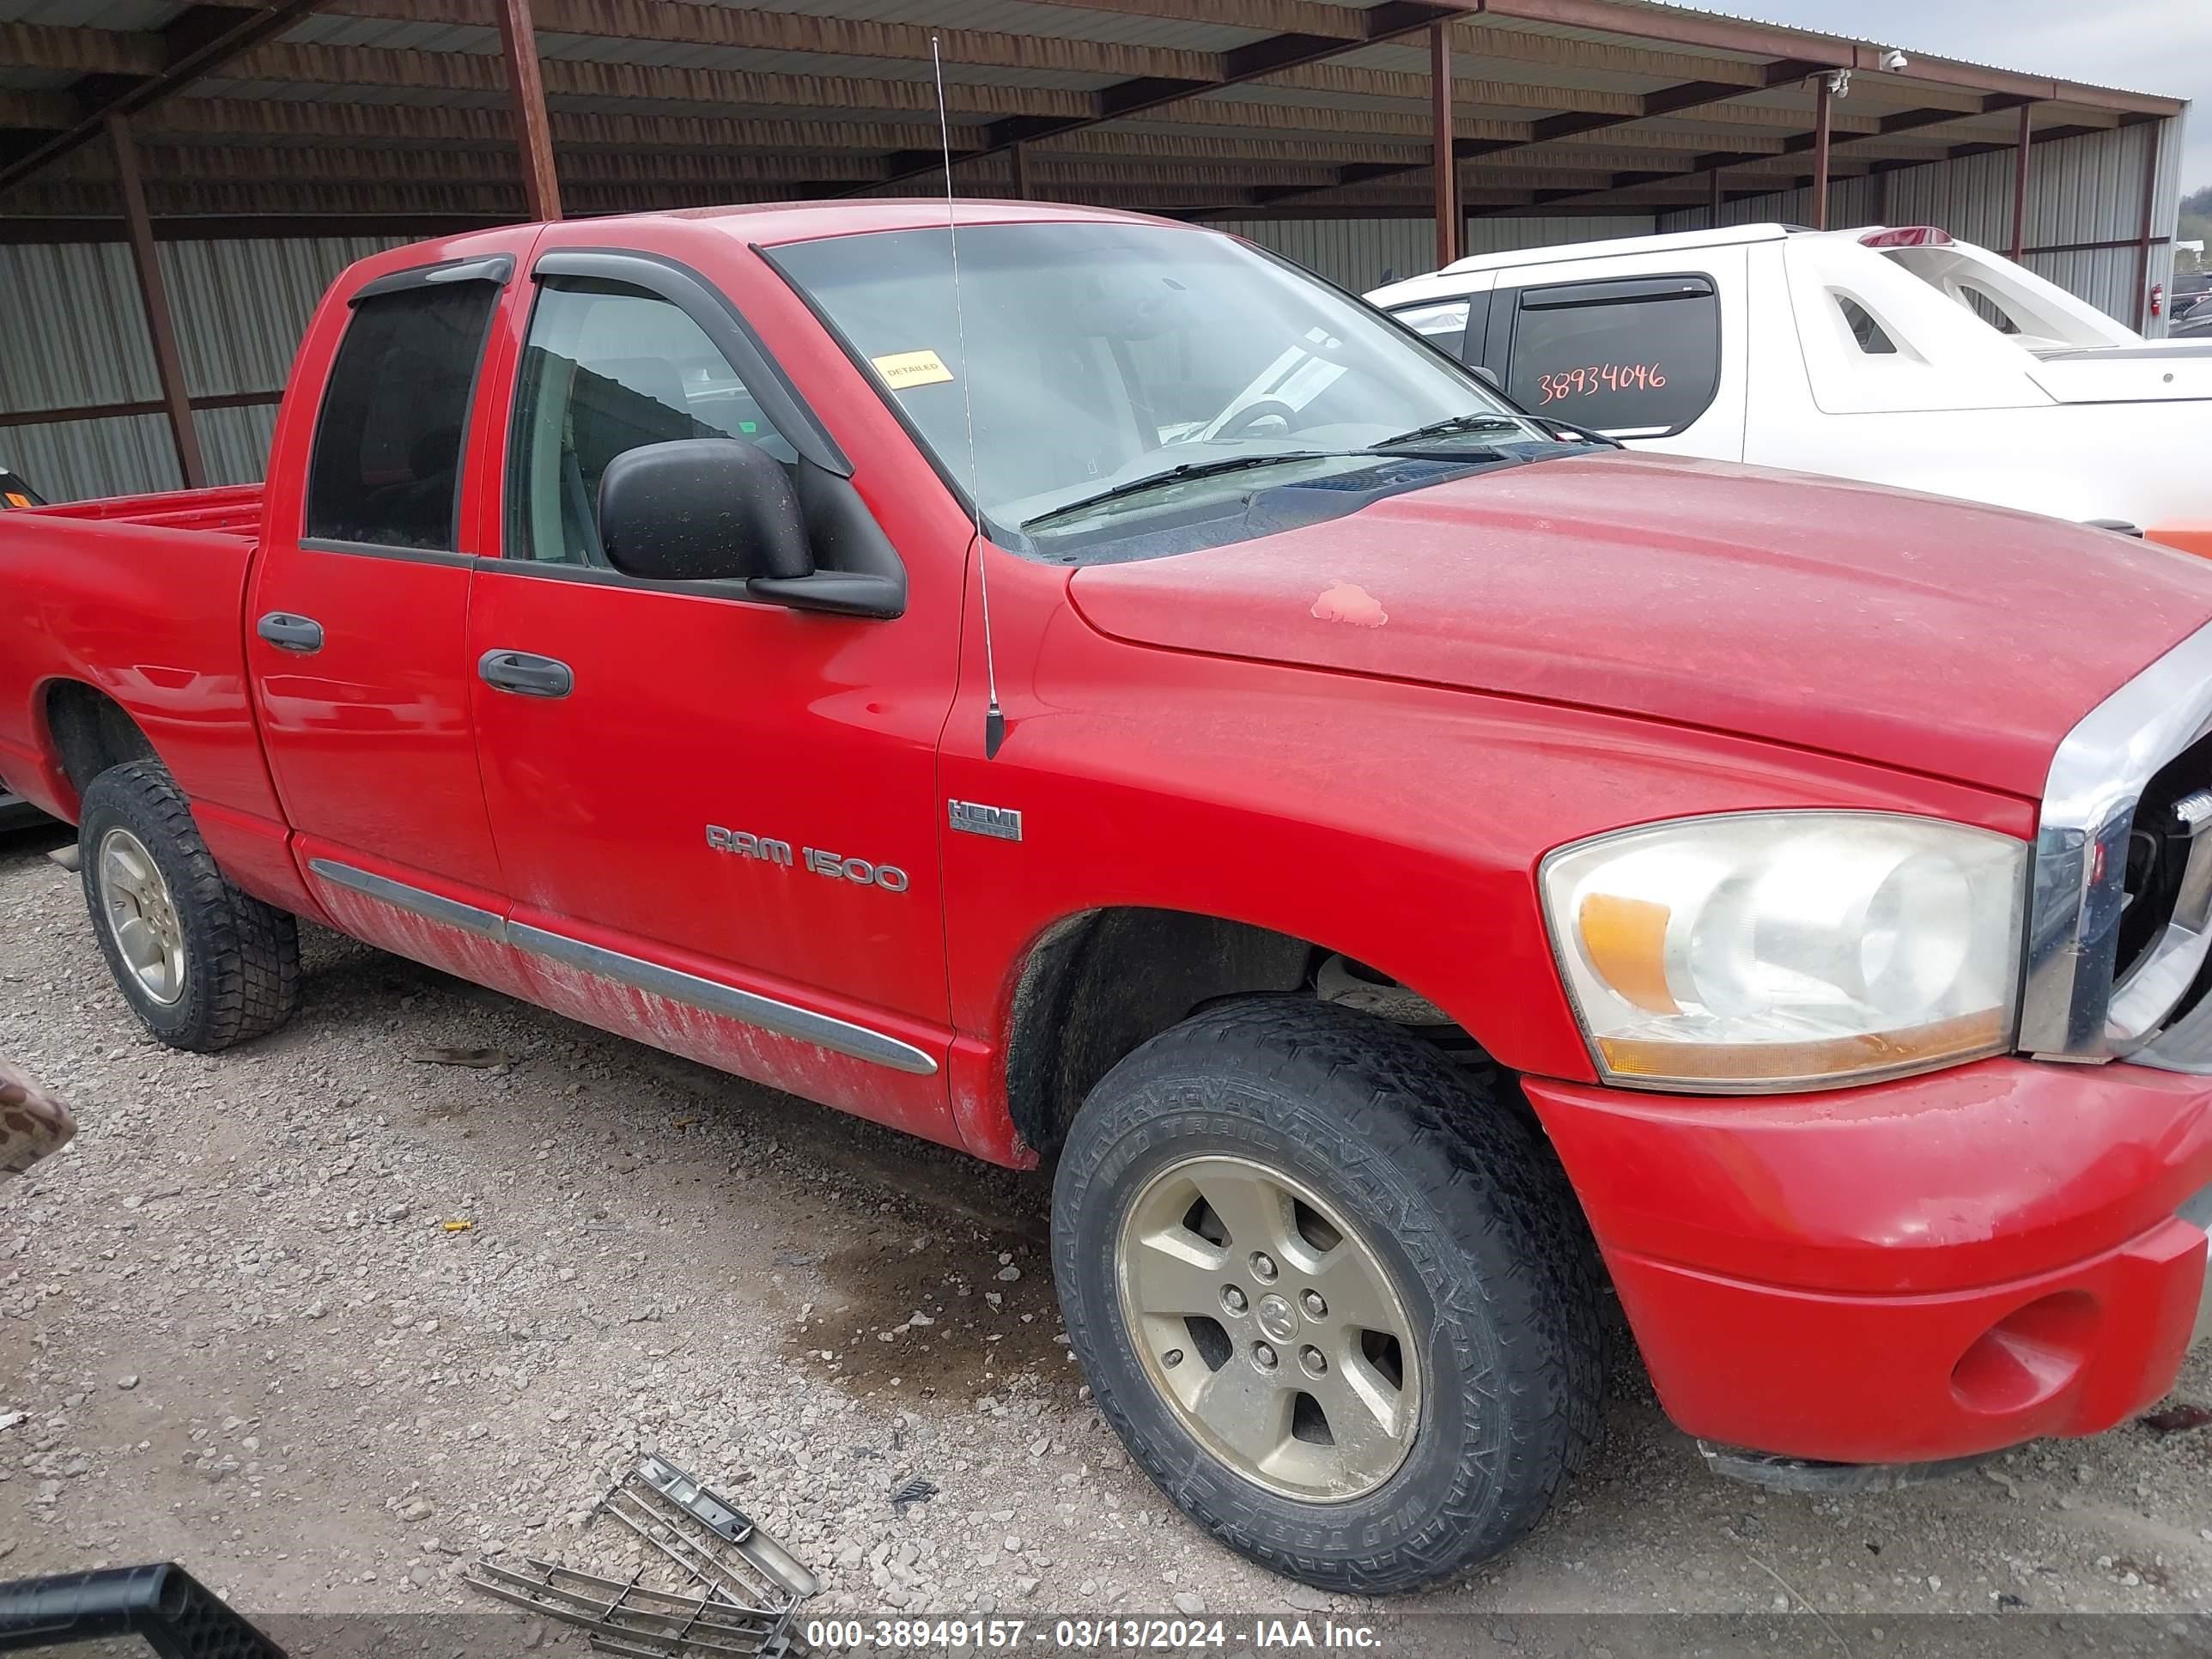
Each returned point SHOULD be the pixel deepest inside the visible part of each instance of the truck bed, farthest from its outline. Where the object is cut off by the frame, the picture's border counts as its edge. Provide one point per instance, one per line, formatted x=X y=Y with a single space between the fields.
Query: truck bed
x=226 y=509
x=140 y=599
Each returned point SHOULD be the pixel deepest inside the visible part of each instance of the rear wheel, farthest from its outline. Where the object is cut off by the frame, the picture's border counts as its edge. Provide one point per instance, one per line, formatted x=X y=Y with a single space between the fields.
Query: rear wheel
x=1333 y=1295
x=201 y=963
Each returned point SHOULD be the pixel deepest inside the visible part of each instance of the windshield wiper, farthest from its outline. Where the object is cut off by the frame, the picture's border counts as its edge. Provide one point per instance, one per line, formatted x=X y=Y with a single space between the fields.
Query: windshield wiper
x=1152 y=481
x=1472 y=422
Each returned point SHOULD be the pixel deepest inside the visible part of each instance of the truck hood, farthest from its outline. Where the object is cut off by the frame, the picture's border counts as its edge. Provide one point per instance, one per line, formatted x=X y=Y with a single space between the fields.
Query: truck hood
x=1935 y=635
x=2144 y=371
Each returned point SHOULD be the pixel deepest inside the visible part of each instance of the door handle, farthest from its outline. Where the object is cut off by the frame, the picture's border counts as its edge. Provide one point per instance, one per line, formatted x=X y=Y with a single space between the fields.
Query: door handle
x=289 y=633
x=525 y=674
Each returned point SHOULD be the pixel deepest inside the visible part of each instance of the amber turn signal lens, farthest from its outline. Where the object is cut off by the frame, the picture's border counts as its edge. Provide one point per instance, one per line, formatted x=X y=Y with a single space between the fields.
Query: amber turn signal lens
x=1873 y=1054
x=1625 y=940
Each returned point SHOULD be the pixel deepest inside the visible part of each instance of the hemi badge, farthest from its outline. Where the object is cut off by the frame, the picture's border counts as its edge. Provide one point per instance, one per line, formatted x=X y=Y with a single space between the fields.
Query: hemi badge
x=1002 y=823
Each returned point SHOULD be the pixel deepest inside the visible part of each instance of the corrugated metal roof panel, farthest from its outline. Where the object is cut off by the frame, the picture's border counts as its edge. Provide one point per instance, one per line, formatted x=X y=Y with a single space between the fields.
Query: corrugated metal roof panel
x=91 y=14
x=1996 y=33
x=783 y=112
x=671 y=54
x=306 y=92
x=329 y=30
x=1015 y=17
x=1403 y=59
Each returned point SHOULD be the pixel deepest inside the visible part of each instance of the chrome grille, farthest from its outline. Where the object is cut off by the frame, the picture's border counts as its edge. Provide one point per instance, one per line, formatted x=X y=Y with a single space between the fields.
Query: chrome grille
x=2082 y=999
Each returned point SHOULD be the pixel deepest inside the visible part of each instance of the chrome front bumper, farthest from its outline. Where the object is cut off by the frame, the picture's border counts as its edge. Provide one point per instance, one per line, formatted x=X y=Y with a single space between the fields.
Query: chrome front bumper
x=2197 y=1213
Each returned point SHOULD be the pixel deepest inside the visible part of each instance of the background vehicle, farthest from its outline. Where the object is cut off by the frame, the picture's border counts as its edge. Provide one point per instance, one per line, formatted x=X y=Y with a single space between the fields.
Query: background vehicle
x=1898 y=356
x=1374 y=851
x=14 y=492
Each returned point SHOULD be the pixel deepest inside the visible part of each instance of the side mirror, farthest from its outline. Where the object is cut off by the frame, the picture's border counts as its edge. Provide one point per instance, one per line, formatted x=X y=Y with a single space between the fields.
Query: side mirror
x=701 y=509
x=1488 y=376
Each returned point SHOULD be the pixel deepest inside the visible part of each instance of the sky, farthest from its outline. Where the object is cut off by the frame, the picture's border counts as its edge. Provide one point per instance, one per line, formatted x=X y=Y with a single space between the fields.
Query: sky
x=2143 y=45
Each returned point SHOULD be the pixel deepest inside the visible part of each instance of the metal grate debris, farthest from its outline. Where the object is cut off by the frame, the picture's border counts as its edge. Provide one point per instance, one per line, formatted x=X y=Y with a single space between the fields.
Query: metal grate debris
x=740 y=1591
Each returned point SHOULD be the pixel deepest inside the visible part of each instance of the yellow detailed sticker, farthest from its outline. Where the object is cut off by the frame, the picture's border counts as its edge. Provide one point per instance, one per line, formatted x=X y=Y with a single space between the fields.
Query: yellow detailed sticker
x=901 y=369
x=14 y=499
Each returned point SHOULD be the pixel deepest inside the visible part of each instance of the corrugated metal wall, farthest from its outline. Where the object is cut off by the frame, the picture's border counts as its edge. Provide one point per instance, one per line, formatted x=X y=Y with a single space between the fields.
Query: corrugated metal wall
x=2084 y=190
x=76 y=335
x=1364 y=254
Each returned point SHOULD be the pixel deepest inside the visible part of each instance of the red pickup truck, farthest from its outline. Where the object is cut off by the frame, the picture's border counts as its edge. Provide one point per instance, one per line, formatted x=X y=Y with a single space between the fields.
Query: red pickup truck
x=1084 y=691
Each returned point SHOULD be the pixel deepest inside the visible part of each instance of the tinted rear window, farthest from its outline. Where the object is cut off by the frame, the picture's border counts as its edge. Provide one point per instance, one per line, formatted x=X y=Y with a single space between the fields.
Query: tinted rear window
x=387 y=463
x=1641 y=354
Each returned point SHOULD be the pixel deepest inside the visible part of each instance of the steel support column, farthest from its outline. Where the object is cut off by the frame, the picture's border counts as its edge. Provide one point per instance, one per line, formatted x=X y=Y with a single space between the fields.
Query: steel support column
x=517 y=34
x=1821 y=133
x=2019 y=186
x=1446 y=162
x=2142 y=242
x=1018 y=164
x=161 y=327
x=1713 y=204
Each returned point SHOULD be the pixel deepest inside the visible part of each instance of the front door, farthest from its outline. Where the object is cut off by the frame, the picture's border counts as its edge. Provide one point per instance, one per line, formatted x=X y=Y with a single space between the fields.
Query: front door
x=357 y=629
x=717 y=818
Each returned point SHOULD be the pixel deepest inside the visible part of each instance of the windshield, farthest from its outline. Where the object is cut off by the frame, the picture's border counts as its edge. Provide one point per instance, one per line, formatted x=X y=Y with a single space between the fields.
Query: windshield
x=1101 y=356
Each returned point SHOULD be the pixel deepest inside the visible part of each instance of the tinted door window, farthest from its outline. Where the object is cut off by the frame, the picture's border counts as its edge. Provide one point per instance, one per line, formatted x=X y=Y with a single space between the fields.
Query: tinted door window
x=609 y=368
x=1640 y=355
x=1444 y=321
x=387 y=464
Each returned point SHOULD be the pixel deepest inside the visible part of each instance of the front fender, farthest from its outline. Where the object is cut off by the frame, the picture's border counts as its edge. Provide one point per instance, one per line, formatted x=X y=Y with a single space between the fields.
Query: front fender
x=1401 y=824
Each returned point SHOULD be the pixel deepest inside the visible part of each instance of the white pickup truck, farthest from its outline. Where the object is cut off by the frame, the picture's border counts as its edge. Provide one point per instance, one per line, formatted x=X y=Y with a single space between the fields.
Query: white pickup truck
x=1896 y=355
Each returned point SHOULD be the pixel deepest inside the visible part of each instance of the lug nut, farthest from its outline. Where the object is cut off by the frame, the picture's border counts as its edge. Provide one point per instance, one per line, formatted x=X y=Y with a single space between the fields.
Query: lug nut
x=1232 y=1298
x=1263 y=1356
x=1263 y=1264
x=1314 y=1361
x=1171 y=1358
x=1315 y=1307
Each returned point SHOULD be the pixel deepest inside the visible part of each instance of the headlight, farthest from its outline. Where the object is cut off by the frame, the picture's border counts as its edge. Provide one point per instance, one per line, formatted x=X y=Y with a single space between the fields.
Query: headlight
x=1785 y=949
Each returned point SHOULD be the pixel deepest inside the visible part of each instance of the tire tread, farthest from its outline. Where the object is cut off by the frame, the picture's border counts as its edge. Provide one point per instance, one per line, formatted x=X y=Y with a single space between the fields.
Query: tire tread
x=248 y=951
x=1474 y=1163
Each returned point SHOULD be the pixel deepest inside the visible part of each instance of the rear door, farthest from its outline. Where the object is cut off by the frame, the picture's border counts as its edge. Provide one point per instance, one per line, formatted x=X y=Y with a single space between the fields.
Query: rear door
x=358 y=620
x=1650 y=352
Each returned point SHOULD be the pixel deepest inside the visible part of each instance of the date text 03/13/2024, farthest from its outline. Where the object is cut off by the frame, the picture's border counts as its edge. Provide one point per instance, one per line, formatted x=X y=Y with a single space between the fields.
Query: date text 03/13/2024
x=1149 y=1635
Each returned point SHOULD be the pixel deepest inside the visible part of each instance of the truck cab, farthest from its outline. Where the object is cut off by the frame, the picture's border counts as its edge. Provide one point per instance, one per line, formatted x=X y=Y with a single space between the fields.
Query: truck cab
x=1895 y=355
x=1074 y=688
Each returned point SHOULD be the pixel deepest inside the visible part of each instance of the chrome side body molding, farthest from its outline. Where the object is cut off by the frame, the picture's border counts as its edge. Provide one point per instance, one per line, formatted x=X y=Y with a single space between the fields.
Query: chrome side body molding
x=767 y=1013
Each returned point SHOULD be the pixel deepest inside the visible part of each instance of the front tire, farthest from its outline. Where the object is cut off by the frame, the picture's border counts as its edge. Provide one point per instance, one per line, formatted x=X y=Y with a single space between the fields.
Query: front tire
x=203 y=964
x=1332 y=1294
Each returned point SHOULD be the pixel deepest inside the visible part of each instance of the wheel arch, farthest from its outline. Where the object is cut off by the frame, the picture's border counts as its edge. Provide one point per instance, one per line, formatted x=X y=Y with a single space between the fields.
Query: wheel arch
x=85 y=733
x=1094 y=984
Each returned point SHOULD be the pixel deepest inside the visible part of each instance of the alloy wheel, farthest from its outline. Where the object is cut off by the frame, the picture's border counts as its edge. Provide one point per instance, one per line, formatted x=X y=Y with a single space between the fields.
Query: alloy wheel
x=142 y=915
x=1271 y=1328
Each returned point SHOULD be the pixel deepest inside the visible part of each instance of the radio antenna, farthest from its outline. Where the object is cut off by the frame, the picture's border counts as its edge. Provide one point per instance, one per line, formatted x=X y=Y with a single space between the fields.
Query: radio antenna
x=995 y=719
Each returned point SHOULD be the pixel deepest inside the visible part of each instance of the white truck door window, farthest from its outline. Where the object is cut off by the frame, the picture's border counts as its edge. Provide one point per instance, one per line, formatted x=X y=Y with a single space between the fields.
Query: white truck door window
x=1647 y=348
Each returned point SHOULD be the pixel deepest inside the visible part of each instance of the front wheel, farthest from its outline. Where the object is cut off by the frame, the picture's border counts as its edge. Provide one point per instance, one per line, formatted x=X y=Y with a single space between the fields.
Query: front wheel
x=203 y=964
x=1331 y=1293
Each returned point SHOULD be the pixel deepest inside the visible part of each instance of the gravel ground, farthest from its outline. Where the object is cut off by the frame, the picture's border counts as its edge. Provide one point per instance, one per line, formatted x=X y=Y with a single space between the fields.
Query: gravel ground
x=324 y=1319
